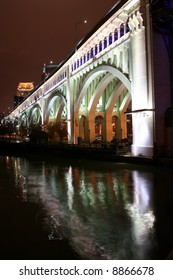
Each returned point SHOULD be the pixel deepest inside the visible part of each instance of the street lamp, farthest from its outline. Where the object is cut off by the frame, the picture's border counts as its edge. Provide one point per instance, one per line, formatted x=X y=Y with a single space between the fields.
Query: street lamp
x=76 y=28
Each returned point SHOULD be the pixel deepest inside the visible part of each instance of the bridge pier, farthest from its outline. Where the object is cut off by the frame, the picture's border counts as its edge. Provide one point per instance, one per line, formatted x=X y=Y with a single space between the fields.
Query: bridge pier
x=108 y=127
x=142 y=107
x=91 y=123
x=143 y=134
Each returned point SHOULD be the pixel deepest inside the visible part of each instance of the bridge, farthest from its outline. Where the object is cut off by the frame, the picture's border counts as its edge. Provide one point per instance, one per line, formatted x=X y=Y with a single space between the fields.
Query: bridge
x=105 y=87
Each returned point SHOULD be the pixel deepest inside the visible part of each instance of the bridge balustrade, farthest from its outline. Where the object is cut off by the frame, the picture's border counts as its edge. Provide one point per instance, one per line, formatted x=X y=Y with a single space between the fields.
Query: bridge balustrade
x=102 y=45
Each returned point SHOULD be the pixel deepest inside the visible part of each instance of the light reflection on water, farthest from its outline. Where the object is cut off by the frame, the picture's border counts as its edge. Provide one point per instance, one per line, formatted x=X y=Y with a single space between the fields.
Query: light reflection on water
x=105 y=210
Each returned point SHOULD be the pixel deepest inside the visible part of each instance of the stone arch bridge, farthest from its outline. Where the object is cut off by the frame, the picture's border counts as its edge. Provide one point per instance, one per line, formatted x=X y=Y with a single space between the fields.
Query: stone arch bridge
x=104 y=88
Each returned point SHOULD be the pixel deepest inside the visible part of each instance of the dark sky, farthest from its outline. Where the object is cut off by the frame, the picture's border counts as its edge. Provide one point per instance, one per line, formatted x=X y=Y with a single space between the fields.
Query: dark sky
x=33 y=32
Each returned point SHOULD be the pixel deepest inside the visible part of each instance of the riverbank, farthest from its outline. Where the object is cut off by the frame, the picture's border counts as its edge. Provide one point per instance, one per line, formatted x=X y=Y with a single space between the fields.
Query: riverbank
x=94 y=152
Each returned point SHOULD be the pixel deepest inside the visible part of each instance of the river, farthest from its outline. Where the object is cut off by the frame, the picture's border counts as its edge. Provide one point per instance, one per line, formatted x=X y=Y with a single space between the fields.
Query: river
x=59 y=208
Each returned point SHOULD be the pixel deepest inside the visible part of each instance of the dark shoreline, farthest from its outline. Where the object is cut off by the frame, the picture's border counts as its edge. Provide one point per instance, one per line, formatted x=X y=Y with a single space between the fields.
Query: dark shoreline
x=24 y=149
x=76 y=151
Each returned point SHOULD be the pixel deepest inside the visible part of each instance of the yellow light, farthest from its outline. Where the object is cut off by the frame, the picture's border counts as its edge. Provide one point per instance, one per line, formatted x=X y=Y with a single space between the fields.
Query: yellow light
x=24 y=87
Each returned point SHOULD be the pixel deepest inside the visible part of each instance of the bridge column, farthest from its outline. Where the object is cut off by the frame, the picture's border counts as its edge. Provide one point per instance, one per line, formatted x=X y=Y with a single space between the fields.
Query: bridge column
x=123 y=125
x=108 y=127
x=118 y=127
x=76 y=127
x=43 y=121
x=91 y=126
x=70 y=110
x=142 y=120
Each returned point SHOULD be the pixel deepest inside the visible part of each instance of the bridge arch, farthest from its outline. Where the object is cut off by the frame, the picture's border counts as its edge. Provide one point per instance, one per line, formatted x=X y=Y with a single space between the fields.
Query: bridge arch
x=96 y=72
x=35 y=115
x=108 y=74
x=55 y=105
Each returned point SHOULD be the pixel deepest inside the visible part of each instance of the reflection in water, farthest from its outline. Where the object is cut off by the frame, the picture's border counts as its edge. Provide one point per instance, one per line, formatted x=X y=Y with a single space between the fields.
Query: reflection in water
x=106 y=212
x=140 y=211
x=70 y=191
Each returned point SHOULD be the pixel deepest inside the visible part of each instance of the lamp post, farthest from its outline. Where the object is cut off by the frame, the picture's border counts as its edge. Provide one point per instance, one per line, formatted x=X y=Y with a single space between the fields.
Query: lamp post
x=76 y=28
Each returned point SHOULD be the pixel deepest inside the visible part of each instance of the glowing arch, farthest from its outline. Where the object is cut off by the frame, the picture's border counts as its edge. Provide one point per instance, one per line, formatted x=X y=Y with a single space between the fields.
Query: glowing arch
x=57 y=95
x=34 y=111
x=95 y=73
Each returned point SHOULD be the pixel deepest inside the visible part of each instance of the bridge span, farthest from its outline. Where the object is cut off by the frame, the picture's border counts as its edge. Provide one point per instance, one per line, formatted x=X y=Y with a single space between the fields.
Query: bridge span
x=104 y=88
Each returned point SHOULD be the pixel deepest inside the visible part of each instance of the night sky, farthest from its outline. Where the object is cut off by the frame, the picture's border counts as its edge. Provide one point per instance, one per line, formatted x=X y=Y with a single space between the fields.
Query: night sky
x=33 y=32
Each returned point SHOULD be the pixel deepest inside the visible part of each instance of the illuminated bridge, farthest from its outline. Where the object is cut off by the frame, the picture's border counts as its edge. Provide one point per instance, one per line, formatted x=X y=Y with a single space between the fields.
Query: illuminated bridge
x=110 y=86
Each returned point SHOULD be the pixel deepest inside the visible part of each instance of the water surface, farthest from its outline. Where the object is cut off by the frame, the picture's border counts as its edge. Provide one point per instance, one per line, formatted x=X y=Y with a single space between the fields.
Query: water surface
x=78 y=209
